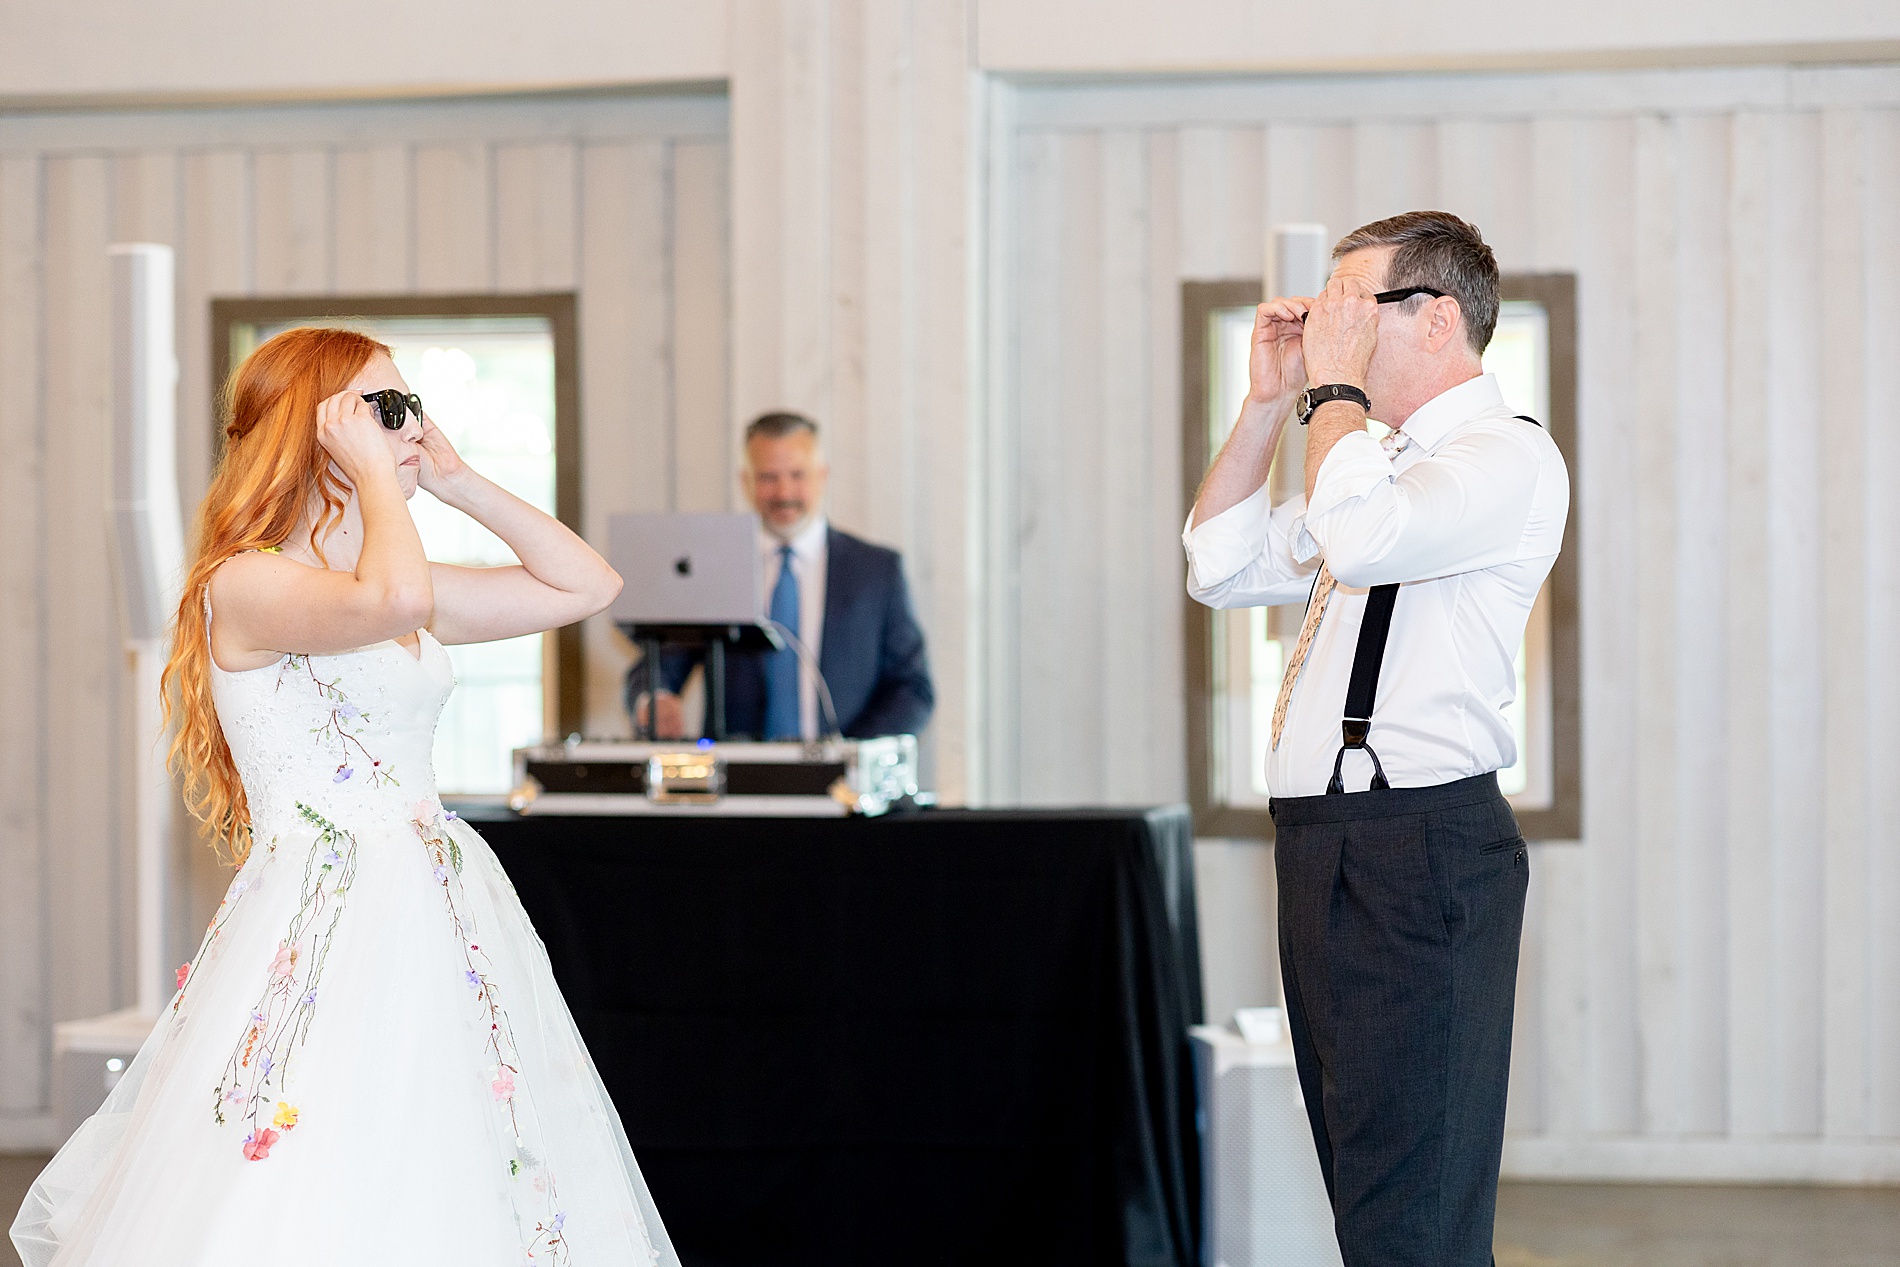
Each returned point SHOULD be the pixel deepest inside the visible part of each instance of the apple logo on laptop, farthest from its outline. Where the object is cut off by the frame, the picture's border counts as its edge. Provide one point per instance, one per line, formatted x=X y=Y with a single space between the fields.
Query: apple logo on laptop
x=684 y=566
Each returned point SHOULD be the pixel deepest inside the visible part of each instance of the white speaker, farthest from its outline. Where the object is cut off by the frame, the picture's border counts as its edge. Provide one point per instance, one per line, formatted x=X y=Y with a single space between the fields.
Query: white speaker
x=148 y=536
x=148 y=559
x=1299 y=260
x=1264 y=1200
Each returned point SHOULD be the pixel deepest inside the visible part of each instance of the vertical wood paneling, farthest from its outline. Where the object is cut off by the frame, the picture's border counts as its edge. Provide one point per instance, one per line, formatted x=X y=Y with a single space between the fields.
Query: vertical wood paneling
x=145 y=197
x=89 y=946
x=23 y=818
x=293 y=221
x=1044 y=349
x=841 y=241
x=1395 y=168
x=215 y=260
x=1841 y=446
x=1753 y=1004
x=1560 y=875
x=375 y=219
x=1658 y=898
x=626 y=397
x=1467 y=173
x=454 y=226
x=1166 y=657
x=1127 y=488
x=1608 y=561
x=1062 y=671
x=706 y=451
x=945 y=447
x=1205 y=221
x=1880 y=245
x=1794 y=610
x=875 y=323
x=1700 y=398
x=536 y=187
x=1509 y=228
x=1246 y=192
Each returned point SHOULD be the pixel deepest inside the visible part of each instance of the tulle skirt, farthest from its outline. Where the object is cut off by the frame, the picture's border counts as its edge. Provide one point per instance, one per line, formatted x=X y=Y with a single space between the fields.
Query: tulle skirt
x=368 y=1062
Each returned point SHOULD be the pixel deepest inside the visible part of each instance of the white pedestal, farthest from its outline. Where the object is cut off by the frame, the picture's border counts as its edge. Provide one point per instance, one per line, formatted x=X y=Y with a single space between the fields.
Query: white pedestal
x=1264 y=1202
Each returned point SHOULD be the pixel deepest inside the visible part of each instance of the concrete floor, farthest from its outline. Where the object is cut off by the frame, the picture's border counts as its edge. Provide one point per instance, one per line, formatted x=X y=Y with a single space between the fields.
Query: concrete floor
x=16 y=1176
x=1593 y=1225
x=1627 y=1225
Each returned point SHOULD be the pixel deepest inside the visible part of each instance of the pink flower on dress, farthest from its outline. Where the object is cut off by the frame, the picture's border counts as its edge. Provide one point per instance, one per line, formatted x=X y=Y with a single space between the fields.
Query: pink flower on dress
x=286 y=961
x=504 y=1083
x=184 y=970
x=257 y=1143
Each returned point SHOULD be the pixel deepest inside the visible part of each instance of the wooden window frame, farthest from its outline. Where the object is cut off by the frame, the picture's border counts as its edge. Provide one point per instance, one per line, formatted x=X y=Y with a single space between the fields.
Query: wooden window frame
x=1562 y=820
x=561 y=311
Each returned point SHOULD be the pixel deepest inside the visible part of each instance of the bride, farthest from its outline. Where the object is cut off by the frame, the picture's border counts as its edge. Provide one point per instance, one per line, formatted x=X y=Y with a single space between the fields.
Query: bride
x=368 y=1060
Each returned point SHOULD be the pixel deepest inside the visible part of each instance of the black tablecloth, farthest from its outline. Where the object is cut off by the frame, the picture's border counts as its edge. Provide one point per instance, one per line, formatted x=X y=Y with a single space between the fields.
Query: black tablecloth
x=945 y=1037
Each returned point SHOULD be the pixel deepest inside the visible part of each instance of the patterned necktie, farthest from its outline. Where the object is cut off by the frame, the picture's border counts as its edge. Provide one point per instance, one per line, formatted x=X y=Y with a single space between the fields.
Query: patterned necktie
x=781 y=667
x=1315 y=611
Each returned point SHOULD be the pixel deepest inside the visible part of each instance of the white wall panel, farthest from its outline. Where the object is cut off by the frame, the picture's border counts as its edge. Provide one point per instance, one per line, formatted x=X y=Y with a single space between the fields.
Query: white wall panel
x=1880 y=715
x=24 y=916
x=375 y=219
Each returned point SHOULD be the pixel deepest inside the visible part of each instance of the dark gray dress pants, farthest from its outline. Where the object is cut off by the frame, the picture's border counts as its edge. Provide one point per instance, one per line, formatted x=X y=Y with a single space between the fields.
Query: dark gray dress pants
x=1400 y=913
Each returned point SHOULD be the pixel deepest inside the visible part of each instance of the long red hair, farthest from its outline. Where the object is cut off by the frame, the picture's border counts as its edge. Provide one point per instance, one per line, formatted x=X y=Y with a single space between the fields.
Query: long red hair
x=273 y=468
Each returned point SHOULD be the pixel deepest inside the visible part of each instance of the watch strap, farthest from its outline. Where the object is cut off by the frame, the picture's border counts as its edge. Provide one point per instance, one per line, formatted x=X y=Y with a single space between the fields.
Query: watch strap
x=1313 y=397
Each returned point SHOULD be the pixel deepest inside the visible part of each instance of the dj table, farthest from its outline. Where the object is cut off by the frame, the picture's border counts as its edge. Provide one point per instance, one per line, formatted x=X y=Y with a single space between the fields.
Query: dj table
x=943 y=1037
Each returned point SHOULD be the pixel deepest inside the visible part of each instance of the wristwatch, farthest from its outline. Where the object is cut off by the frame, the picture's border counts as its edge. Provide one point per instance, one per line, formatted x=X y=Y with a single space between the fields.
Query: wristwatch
x=1313 y=397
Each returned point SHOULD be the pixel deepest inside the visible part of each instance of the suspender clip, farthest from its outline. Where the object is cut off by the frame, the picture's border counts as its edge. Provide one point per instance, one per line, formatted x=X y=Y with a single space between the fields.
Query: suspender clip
x=1353 y=731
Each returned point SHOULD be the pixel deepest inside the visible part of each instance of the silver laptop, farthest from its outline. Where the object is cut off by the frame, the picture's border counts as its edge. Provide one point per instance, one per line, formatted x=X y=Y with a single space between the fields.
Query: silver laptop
x=701 y=569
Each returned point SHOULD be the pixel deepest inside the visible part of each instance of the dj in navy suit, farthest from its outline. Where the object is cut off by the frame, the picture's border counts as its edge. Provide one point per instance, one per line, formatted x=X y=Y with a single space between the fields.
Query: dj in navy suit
x=845 y=595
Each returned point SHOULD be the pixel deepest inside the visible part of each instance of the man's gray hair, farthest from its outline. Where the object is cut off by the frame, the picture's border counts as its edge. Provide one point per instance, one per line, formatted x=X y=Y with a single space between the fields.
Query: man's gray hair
x=776 y=426
x=1437 y=249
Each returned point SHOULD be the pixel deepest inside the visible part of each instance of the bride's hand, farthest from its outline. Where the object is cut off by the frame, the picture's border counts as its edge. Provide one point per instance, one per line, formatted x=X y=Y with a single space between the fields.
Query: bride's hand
x=350 y=434
x=442 y=466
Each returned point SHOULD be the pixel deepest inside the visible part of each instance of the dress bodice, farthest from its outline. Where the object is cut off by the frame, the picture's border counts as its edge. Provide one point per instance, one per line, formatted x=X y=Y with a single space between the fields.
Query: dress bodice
x=349 y=735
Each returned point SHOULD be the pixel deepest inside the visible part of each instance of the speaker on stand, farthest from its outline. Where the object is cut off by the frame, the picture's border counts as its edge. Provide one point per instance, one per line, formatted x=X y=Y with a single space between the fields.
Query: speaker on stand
x=148 y=557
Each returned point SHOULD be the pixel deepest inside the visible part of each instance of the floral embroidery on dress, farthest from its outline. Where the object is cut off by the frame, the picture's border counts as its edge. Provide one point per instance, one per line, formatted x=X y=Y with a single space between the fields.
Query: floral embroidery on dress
x=280 y=1021
x=537 y=1210
x=343 y=727
x=243 y=884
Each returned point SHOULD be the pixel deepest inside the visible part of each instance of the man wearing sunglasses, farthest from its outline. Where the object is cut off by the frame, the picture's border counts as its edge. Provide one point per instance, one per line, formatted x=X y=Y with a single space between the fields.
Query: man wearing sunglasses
x=1401 y=870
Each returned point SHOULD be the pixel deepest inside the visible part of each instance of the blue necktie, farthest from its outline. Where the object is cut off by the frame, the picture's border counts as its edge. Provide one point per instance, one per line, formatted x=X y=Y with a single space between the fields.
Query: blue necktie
x=781 y=667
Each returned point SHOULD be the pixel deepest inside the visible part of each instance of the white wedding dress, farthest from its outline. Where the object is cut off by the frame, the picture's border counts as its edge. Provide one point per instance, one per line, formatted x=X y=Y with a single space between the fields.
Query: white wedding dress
x=368 y=1062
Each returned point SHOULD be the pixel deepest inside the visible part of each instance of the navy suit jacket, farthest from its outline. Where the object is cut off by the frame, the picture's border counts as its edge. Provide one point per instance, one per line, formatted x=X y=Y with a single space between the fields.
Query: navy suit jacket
x=871 y=652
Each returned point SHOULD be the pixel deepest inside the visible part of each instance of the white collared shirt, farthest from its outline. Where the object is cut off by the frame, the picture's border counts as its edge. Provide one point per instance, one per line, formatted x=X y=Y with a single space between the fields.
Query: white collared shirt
x=809 y=556
x=1466 y=506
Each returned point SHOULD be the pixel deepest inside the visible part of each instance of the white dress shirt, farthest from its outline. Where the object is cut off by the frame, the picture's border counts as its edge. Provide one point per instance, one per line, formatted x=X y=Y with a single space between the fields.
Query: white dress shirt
x=809 y=556
x=1466 y=506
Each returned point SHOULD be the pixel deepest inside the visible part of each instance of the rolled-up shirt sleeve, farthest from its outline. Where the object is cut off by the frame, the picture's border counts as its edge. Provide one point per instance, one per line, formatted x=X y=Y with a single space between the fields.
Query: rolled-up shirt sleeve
x=1463 y=508
x=1243 y=557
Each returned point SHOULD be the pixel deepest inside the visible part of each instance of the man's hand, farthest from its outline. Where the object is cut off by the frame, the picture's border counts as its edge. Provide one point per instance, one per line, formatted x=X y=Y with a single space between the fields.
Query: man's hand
x=1276 y=366
x=672 y=716
x=1342 y=328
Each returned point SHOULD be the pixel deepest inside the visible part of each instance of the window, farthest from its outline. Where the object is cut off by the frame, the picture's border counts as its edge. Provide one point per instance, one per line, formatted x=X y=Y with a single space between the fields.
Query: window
x=1237 y=657
x=491 y=382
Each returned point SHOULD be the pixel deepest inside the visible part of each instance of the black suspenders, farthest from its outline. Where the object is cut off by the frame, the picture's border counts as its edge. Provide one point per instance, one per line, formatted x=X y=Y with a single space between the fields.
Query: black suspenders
x=1363 y=687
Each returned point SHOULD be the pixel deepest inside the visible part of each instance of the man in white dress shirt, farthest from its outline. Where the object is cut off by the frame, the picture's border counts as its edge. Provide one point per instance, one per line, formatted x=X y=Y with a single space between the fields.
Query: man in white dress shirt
x=1401 y=869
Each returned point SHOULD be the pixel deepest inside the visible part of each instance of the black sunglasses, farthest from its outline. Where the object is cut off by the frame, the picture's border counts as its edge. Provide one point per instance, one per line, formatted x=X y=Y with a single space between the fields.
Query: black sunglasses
x=1395 y=296
x=388 y=405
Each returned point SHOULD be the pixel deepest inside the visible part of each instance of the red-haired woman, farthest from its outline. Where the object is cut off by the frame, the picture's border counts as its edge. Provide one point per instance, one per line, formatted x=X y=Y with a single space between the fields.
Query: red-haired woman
x=368 y=1060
